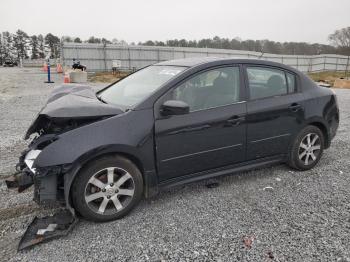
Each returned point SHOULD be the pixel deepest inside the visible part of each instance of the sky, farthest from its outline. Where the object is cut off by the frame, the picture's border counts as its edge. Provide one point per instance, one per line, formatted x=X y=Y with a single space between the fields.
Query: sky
x=140 y=20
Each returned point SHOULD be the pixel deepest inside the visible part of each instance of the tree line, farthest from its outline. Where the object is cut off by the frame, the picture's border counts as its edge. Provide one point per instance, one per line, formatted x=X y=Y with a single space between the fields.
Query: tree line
x=21 y=45
x=264 y=46
x=340 y=44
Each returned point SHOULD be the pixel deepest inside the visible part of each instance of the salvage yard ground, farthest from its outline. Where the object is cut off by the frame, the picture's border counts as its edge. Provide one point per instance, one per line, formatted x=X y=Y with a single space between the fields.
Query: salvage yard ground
x=272 y=214
x=329 y=76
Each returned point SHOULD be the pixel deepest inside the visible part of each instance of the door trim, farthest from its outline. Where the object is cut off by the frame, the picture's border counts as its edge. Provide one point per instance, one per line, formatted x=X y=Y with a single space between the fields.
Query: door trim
x=200 y=152
x=268 y=138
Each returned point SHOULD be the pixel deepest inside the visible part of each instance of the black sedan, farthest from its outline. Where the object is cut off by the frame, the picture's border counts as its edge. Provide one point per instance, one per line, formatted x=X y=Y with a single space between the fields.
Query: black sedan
x=171 y=123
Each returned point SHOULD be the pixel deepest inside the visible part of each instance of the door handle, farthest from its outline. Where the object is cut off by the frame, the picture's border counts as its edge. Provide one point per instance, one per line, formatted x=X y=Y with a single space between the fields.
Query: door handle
x=235 y=120
x=294 y=107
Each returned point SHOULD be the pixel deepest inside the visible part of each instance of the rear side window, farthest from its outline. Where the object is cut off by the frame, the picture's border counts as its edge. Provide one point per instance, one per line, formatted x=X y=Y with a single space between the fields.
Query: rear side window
x=268 y=82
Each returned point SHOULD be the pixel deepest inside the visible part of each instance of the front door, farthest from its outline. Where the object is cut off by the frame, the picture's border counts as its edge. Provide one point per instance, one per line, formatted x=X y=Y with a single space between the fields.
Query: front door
x=212 y=135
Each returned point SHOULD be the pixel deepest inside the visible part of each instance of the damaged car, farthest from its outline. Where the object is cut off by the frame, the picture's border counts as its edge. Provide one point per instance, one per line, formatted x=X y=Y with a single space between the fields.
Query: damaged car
x=99 y=153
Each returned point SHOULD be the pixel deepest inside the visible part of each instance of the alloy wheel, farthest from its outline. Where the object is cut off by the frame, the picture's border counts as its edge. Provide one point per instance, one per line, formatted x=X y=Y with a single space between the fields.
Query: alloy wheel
x=309 y=148
x=109 y=190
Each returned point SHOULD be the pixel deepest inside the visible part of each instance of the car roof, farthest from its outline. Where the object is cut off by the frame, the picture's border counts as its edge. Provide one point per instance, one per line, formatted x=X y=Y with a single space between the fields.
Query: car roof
x=189 y=62
x=196 y=61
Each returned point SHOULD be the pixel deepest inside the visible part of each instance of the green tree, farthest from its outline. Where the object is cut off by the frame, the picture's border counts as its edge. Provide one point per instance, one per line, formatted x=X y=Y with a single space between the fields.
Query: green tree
x=94 y=40
x=53 y=43
x=21 y=41
x=8 y=45
x=77 y=40
x=1 y=50
x=67 y=39
x=149 y=43
x=34 y=46
x=41 y=46
x=105 y=41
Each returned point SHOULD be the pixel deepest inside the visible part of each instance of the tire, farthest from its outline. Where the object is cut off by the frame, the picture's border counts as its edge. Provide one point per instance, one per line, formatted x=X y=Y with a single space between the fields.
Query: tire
x=305 y=154
x=107 y=189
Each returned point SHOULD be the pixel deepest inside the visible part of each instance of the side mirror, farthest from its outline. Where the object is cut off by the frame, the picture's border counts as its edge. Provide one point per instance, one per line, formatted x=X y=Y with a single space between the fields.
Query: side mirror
x=174 y=107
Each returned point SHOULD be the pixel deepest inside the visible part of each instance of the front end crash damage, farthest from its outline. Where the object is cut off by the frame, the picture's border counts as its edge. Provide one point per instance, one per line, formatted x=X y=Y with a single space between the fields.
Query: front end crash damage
x=48 y=189
x=68 y=108
x=48 y=181
x=47 y=228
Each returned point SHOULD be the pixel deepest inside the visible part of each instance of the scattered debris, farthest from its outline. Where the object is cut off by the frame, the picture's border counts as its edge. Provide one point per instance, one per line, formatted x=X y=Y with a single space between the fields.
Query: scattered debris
x=278 y=179
x=270 y=255
x=3 y=186
x=248 y=241
x=341 y=172
x=50 y=228
x=47 y=228
x=19 y=180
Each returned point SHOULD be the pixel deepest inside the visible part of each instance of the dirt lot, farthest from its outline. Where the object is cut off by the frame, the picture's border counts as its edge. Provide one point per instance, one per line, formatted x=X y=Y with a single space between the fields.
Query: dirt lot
x=304 y=216
x=328 y=76
x=106 y=77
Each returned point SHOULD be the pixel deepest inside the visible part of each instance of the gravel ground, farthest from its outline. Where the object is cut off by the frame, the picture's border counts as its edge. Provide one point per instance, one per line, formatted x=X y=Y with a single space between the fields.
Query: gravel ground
x=301 y=216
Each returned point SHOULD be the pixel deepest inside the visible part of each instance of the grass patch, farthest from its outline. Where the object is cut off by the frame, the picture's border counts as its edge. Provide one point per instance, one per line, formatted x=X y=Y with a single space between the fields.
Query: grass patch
x=327 y=76
x=106 y=77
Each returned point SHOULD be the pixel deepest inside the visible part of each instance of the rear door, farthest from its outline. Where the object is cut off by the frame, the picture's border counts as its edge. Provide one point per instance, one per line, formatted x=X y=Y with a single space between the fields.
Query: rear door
x=275 y=110
x=213 y=134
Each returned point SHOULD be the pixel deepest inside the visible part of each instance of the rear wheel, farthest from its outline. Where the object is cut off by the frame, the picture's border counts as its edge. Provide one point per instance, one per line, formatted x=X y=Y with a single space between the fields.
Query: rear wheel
x=107 y=189
x=307 y=148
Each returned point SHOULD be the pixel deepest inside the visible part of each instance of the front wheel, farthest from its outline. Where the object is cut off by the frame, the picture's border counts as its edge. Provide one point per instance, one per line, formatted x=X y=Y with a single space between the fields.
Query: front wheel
x=107 y=189
x=307 y=148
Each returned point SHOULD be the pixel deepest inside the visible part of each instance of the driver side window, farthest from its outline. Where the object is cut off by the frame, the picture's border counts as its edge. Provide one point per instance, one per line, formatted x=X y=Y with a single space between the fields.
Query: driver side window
x=212 y=88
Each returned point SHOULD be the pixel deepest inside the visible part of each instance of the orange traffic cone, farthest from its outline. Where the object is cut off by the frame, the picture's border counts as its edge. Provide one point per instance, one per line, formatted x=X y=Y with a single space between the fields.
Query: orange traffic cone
x=45 y=67
x=59 y=68
x=66 y=78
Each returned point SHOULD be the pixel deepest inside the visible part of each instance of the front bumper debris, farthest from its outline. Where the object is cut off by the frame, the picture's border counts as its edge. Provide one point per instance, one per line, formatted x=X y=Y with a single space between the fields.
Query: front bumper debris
x=47 y=228
x=24 y=178
x=20 y=180
x=47 y=190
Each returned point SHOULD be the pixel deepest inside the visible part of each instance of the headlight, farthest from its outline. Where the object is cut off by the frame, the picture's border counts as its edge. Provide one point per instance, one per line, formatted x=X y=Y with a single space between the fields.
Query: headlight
x=30 y=158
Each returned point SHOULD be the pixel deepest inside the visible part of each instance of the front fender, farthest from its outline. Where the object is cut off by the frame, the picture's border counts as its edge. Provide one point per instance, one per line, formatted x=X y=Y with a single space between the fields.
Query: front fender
x=131 y=133
x=150 y=176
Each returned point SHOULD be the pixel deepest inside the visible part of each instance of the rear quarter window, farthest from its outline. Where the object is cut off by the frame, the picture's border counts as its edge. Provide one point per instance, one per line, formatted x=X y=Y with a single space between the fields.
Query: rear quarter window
x=291 y=81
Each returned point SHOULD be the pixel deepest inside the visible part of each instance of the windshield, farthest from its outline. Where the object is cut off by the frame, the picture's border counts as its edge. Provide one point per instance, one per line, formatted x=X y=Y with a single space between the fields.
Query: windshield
x=138 y=86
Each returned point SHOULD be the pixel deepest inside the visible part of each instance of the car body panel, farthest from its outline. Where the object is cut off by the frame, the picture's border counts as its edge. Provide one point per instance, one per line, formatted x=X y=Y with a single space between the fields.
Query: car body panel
x=129 y=133
x=180 y=140
x=271 y=124
x=188 y=147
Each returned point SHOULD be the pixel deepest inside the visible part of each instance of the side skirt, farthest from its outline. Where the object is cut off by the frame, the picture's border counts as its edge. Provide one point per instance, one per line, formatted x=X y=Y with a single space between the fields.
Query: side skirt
x=227 y=170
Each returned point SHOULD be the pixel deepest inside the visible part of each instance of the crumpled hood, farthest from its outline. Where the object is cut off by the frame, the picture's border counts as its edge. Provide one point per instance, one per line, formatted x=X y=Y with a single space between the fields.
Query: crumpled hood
x=72 y=102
